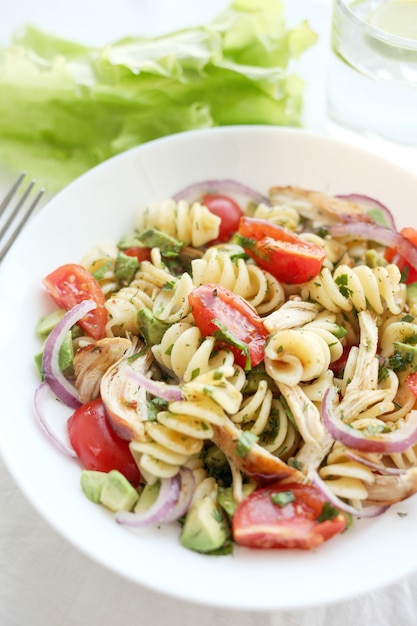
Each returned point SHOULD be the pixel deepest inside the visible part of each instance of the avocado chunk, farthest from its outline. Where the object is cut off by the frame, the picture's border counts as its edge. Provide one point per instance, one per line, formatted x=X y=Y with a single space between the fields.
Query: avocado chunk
x=205 y=528
x=153 y=238
x=226 y=500
x=48 y=322
x=374 y=259
x=65 y=357
x=147 y=497
x=411 y=298
x=66 y=352
x=125 y=268
x=217 y=465
x=404 y=357
x=92 y=484
x=117 y=494
x=150 y=327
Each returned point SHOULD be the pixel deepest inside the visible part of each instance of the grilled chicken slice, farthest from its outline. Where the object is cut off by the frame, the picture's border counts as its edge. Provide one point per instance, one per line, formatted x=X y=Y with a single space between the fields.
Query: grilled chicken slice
x=317 y=206
x=292 y=314
x=305 y=413
x=391 y=489
x=124 y=400
x=257 y=463
x=92 y=361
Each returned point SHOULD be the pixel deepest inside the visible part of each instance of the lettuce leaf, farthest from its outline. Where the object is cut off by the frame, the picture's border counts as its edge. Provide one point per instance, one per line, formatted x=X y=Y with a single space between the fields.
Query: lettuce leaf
x=64 y=107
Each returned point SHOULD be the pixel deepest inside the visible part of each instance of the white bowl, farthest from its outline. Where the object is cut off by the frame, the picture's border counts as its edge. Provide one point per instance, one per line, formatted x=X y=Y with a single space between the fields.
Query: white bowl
x=101 y=205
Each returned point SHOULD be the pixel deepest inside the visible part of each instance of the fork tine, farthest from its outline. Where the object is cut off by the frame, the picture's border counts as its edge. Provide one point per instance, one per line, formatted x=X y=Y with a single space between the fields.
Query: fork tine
x=16 y=209
x=5 y=203
x=23 y=215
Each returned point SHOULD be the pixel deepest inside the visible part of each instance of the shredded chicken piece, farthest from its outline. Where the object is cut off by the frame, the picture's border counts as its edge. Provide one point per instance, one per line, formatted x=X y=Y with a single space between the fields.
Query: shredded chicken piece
x=311 y=455
x=125 y=402
x=293 y=314
x=92 y=361
x=367 y=351
x=257 y=462
x=391 y=489
x=359 y=396
x=317 y=206
x=305 y=413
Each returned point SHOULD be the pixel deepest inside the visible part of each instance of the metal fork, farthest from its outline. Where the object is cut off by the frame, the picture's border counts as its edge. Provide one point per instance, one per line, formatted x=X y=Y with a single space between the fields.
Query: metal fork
x=16 y=217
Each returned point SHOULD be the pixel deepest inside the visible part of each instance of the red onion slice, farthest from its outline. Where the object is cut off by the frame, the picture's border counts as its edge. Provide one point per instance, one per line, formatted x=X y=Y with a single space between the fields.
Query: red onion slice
x=164 y=504
x=62 y=388
x=370 y=205
x=241 y=193
x=155 y=387
x=386 y=443
x=49 y=420
x=377 y=467
x=380 y=234
x=367 y=511
x=185 y=497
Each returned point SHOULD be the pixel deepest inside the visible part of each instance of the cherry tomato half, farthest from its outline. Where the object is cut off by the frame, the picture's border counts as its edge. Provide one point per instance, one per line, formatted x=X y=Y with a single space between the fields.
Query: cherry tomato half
x=229 y=212
x=142 y=254
x=280 y=252
x=286 y=522
x=409 y=273
x=243 y=331
x=71 y=284
x=97 y=445
x=411 y=381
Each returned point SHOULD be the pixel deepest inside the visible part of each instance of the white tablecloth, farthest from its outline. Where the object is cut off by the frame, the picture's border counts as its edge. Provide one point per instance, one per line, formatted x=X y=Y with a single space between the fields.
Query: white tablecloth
x=45 y=581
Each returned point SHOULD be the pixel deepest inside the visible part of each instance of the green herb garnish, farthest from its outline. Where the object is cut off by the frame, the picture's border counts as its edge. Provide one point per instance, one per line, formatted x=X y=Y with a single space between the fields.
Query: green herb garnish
x=245 y=443
x=281 y=498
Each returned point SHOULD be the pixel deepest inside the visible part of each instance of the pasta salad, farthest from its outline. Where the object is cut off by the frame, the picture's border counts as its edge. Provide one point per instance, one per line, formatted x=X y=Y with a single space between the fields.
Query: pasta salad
x=242 y=364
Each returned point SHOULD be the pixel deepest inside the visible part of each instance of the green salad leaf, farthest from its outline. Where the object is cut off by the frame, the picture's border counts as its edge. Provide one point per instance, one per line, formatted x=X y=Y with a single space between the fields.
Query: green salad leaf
x=64 y=107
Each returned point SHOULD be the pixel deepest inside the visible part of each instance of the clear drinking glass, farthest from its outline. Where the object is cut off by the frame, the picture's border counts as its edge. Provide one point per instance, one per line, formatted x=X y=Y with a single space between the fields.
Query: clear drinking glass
x=372 y=81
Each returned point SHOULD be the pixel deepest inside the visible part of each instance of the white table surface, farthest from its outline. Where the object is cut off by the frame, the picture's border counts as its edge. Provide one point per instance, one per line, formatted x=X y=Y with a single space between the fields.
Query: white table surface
x=45 y=581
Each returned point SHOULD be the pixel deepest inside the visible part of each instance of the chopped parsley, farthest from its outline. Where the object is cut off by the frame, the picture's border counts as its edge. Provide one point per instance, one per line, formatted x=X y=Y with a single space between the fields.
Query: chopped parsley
x=328 y=512
x=245 y=443
x=154 y=406
x=400 y=361
x=292 y=462
x=288 y=412
x=281 y=498
x=342 y=282
x=125 y=268
x=227 y=336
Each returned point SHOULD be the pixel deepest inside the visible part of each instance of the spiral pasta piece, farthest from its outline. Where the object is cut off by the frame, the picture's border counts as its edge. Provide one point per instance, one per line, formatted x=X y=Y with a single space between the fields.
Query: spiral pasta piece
x=334 y=249
x=259 y=288
x=100 y=261
x=265 y=416
x=293 y=356
x=191 y=224
x=171 y=304
x=396 y=331
x=187 y=354
x=359 y=287
x=178 y=434
x=123 y=307
x=326 y=327
x=256 y=409
x=279 y=214
x=347 y=479
x=153 y=277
